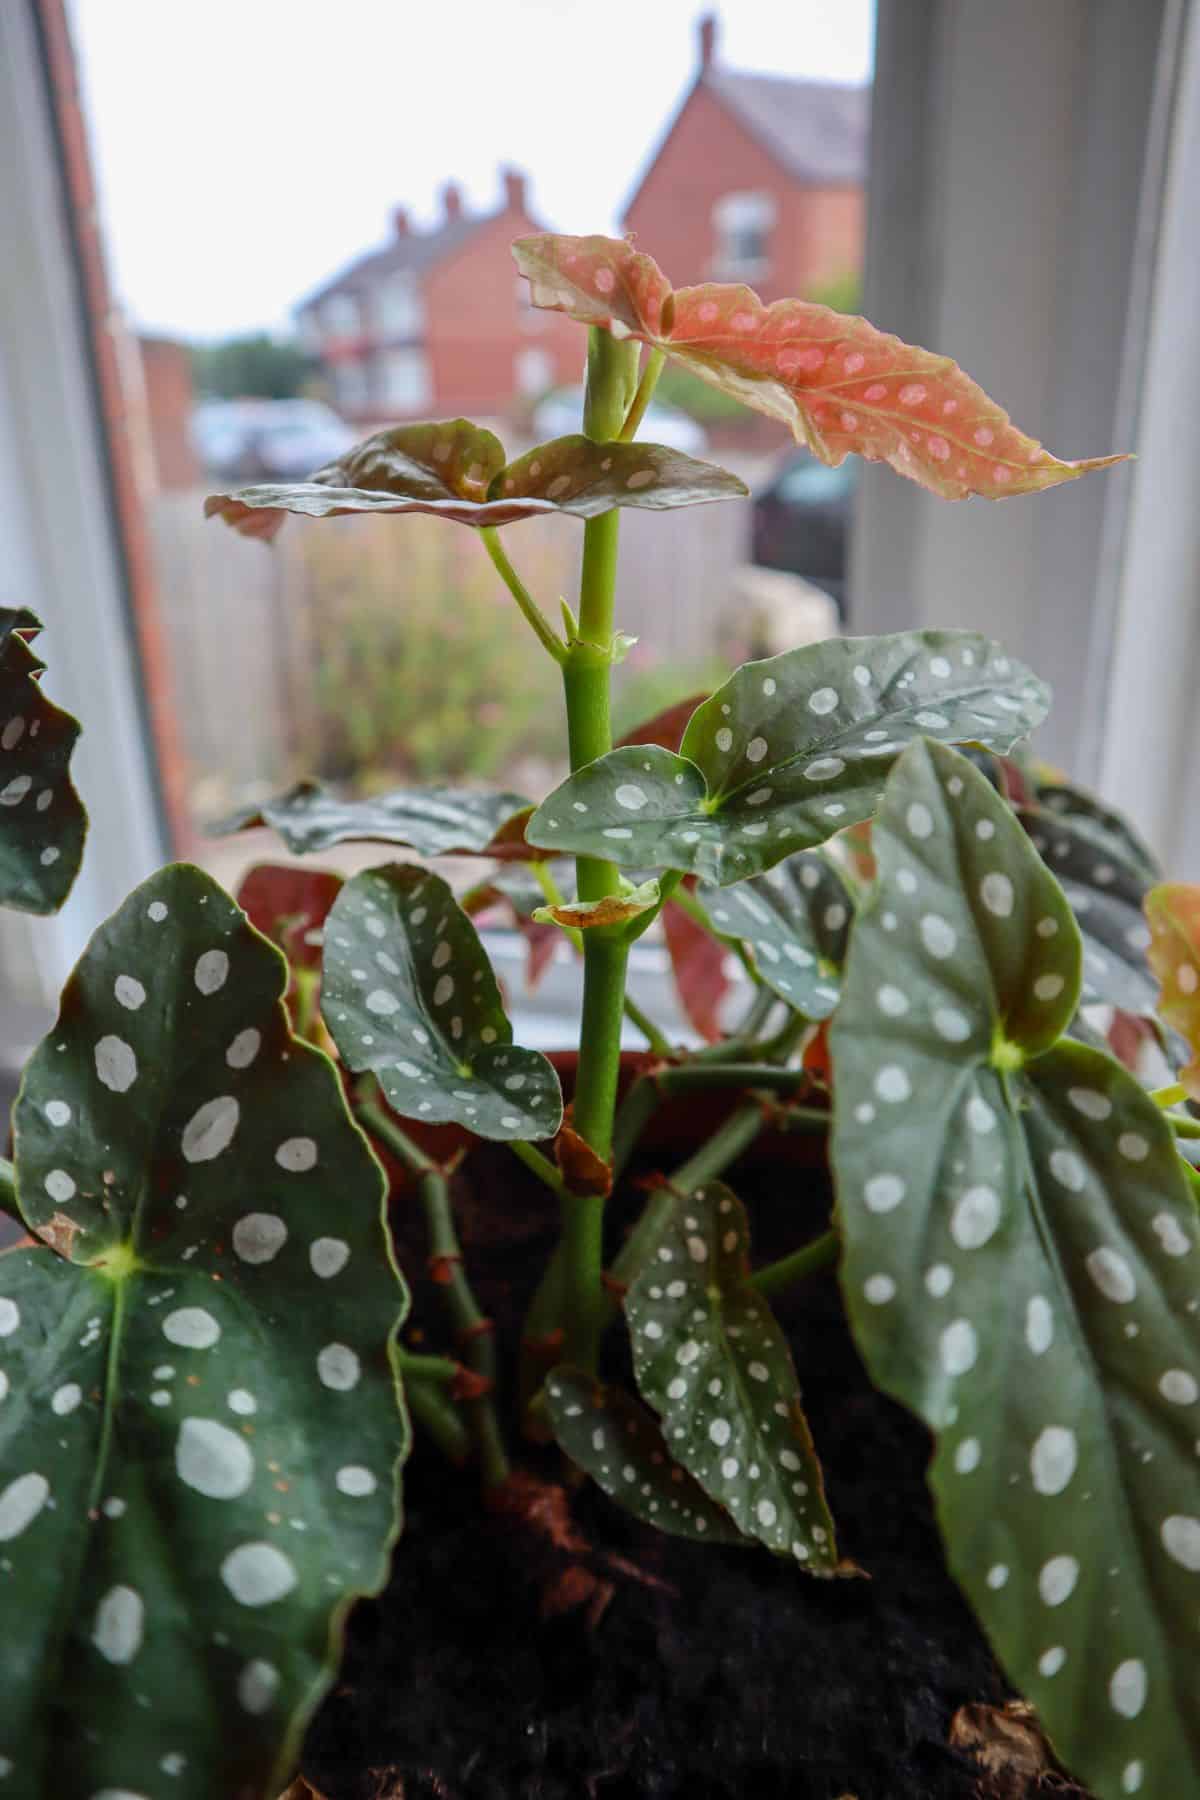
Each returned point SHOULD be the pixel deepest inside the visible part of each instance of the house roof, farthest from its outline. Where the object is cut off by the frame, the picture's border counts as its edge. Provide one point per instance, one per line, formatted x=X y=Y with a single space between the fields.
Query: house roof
x=816 y=129
x=411 y=254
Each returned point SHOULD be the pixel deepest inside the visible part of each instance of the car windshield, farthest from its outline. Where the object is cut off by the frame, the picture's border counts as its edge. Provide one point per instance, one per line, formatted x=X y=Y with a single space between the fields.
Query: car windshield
x=811 y=483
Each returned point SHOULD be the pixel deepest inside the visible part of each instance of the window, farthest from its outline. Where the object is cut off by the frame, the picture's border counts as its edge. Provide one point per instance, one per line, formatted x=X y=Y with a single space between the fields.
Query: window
x=534 y=371
x=398 y=309
x=742 y=227
x=340 y=316
x=350 y=386
x=405 y=384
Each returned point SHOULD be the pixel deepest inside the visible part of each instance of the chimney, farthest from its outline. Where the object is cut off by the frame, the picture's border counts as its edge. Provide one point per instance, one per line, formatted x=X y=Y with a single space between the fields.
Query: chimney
x=400 y=222
x=708 y=40
x=451 y=202
x=514 y=190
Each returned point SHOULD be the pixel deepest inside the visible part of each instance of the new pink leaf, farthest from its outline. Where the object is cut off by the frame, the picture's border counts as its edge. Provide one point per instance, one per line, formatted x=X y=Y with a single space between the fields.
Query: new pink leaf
x=840 y=384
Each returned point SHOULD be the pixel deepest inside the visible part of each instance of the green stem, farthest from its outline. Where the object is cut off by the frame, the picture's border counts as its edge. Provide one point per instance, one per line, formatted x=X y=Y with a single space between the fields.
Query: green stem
x=700 y=1077
x=417 y=1367
x=437 y=1414
x=539 y=1165
x=774 y=1277
x=711 y=1160
x=473 y=1330
x=1172 y=1095
x=8 y=1190
x=644 y=395
x=1183 y=1126
x=587 y=676
x=520 y=593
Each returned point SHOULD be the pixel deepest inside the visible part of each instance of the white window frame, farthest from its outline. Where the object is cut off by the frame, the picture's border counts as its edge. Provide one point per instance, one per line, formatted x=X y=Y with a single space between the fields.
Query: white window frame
x=743 y=210
x=1030 y=213
x=62 y=549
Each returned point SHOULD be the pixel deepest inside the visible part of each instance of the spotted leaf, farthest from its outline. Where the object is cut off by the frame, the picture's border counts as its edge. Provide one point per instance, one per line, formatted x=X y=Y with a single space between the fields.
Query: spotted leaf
x=788 y=752
x=431 y=821
x=794 y=921
x=1105 y=890
x=1109 y=830
x=408 y=993
x=1020 y=1268
x=841 y=385
x=42 y=821
x=713 y=1363
x=1173 y=911
x=618 y=1442
x=200 y=1436
x=457 y=471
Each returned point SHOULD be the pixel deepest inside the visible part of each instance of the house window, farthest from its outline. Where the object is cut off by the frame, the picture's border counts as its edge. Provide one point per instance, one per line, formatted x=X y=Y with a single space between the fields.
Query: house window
x=742 y=227
x=308 y=327
x=339 y=316
x=398 y=309
x=350 y=386
x=534 y=371
x=406 y=385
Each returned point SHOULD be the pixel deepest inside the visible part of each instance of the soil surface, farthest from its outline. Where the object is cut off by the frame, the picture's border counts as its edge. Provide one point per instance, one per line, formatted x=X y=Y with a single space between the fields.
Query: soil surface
x=729 y=1673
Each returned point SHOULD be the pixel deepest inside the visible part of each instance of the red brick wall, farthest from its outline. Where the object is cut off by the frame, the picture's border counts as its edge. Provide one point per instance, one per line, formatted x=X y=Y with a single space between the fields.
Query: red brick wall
x=709 y=153
x=170 y=397
x=477 y=320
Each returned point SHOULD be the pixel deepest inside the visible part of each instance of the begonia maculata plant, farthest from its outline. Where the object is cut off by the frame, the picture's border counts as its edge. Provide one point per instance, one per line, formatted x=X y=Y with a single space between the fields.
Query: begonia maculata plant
x=953 y=964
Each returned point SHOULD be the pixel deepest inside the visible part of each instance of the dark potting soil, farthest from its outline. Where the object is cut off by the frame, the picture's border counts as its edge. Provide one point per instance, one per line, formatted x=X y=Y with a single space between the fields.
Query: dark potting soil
x=729 y=1672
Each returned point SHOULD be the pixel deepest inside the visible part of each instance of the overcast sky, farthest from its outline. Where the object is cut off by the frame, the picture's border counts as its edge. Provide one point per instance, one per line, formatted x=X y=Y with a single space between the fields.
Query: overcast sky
x=245 y=149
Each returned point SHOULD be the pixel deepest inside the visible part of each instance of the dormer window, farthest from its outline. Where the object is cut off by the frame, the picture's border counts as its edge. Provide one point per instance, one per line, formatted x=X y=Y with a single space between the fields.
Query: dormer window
x=742 y=225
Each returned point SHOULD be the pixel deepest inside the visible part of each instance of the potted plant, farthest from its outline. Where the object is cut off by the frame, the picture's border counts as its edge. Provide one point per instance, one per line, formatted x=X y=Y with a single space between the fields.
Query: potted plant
x=619 y=1505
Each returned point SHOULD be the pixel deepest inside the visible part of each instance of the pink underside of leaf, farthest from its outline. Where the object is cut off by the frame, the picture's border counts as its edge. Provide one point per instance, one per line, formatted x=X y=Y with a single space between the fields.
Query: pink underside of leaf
x=698 y=965
x=1173 y=913
x=841 y=385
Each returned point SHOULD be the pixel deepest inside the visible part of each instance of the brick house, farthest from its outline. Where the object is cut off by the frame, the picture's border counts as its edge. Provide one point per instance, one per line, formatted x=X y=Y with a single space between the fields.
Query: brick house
x=438 y=322
x=759 y=178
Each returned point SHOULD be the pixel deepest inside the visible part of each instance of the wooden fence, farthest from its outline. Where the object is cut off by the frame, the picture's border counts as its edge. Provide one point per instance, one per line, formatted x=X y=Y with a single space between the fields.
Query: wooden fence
x=244 y=621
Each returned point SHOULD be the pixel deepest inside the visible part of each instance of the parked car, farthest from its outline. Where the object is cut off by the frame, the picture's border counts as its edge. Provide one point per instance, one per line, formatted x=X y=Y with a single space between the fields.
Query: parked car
x=253 y=440
x=801 y=522
x=559 y=413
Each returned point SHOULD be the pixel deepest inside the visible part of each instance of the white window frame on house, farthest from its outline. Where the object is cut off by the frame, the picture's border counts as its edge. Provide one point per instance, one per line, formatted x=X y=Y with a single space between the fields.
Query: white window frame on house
x=742 y=225
x=351 y=386
x=533 y=370
x=403 y=379
x=397 y=306
x=1032 y=212
x=341 y=316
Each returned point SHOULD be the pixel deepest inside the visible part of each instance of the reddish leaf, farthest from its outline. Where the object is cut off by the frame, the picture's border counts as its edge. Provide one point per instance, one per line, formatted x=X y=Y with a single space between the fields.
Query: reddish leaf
x=290 y=906
x=840 y=384
x=1173 y=912
x=860 y=857
x=698 y=964
x=665 y=728
x=521 y=896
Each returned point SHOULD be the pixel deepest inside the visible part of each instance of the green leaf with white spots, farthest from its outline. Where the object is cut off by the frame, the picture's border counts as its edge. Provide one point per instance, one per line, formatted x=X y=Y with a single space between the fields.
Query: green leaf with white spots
x=794 y=921
x=618 y=1442
x=456 y=470
x=409 y=994
x=199 y=1435
x=1108 y=830
x=713 y=1363
x=1105 y=892
x=431 y=821
x=42 y=821
x=1020 y=1263
x=788 y=752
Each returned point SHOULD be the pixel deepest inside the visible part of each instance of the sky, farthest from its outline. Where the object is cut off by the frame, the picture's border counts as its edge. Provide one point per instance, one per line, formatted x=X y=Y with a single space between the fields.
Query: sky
x=246 y=149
